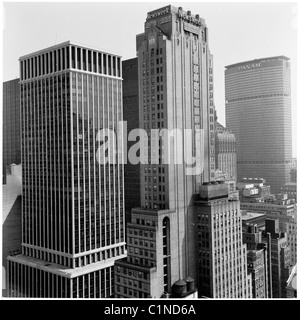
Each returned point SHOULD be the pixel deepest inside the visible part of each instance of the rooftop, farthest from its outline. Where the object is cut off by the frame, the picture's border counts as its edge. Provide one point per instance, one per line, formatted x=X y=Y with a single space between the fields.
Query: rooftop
x=63 y=271
x=64 y=44
x=257 y=60
x=252 y=215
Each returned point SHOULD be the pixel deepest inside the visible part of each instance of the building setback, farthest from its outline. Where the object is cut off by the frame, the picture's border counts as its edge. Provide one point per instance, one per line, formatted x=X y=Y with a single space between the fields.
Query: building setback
x=11 y=125
x=222 y=256
x=258 y=112
x=175 y=70
x=73 y=205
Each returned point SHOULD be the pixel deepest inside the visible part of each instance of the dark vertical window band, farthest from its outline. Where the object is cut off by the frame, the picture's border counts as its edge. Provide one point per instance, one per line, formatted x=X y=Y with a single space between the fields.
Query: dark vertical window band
x=63 y=58
x=95 y=62
x=89 y=60
x=67 y=58
x=78 y=58
x=84 y=59
x=46 y=63
x=104 y=64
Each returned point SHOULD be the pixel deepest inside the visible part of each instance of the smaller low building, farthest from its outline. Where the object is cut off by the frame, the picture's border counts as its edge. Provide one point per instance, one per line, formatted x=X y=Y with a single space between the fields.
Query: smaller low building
x=253 y=218
x=291 y=288
x=290 y=189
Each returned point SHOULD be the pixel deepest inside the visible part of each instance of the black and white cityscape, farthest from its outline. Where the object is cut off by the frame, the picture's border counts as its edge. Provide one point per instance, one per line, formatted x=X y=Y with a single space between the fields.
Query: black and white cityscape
x=134 y=176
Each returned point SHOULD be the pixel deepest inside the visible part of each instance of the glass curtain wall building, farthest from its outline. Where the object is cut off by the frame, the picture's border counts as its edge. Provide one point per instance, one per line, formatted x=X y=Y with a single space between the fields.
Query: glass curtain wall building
x=258 y=112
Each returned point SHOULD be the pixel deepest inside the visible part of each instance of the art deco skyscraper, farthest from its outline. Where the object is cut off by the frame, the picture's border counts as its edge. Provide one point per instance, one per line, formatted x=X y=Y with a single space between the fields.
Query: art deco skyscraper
x=175 y=70
x=258 y=112
x=73 y=208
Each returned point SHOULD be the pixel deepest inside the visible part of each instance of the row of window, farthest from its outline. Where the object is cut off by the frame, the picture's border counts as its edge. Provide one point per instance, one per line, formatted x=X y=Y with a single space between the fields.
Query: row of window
x=140 y=232
x=260 y=97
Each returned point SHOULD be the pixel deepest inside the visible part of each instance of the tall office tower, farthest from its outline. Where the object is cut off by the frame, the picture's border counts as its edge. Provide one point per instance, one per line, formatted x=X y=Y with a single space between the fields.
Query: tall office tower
x=257 y=261
x=175 y=71
x=225 y=151
x=11 y=125
x=73 y=205
x=280 y=257
x=258 y=112
x=131 y=116
x=222 y=256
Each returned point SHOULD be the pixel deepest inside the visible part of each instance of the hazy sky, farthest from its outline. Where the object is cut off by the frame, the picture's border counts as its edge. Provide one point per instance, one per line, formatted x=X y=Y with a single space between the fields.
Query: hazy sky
x=238 y=31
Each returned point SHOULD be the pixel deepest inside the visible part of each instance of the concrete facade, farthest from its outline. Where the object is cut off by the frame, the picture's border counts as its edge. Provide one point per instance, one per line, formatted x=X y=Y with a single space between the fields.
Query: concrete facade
x=222 y=256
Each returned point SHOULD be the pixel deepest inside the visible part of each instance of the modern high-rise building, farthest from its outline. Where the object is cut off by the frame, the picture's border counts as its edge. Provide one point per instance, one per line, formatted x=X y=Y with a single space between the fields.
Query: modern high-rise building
x=175 y=72
x=132 y=187
x=225 y=151
x=222 y=256
x=11 y=125
x=73 y=199
x=258 y=112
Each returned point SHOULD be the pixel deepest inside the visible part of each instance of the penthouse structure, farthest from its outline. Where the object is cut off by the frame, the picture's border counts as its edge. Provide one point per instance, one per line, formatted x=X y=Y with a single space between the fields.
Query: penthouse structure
x=73 y=198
